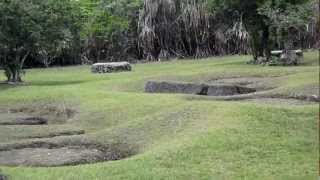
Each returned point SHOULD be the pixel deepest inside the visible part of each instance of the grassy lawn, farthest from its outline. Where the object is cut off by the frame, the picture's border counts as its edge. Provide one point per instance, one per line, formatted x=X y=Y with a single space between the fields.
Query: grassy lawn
x=175 y=137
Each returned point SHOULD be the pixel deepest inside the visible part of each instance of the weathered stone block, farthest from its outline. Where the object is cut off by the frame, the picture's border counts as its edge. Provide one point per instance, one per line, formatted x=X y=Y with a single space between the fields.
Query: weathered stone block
x=110 y=67
x=288 y=57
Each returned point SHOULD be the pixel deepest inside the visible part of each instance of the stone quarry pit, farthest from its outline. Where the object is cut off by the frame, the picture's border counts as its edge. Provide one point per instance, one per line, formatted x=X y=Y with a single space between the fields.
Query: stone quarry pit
x=49 y=152
x=58 y=148
x=250 y=89
x=37 y=114
x=197 y=89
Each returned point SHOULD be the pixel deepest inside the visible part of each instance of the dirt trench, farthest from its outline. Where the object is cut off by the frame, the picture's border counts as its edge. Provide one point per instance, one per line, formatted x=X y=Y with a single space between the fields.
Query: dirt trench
x=57 y=148
x=59 y=152
x=250 y=89
x=198 y=89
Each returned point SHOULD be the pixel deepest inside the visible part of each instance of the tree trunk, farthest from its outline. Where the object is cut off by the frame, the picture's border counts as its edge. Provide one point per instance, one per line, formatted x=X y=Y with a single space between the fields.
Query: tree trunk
x=14 y=70
x=265 y=42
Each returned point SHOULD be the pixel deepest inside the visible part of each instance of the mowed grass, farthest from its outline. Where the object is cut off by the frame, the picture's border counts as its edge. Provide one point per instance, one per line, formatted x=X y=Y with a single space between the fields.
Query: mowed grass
x=176 y=138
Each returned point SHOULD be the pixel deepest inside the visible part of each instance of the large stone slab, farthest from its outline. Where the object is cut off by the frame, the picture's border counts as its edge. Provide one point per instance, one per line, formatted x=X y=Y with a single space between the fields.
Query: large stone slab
x=279 y=52
x=199 y=89
x=289 y=57
x=110 y=67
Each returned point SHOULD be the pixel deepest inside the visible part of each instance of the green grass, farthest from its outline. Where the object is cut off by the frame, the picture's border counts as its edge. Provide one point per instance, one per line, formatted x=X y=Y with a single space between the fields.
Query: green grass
x=177 y=138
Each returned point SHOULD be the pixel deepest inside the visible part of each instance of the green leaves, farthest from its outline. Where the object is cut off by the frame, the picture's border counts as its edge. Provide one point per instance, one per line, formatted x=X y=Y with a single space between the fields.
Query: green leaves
x=290 y=16
x=106 y=25
x=40 y=28
x=103 y=18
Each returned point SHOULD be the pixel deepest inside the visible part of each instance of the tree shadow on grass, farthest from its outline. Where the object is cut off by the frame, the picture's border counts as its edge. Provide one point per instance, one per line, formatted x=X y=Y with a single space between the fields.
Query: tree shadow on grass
x=53 y=83
x=5 y=86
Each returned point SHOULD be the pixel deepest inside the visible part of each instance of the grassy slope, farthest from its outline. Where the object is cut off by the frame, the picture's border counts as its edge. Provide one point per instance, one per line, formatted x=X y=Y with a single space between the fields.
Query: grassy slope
x=178 y=138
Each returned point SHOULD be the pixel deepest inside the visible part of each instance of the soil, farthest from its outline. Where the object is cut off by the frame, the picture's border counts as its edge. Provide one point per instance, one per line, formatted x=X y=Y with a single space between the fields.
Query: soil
x=50 y=157
x=199 y=89
x=60 y=151
x=263 y=93
x=258 y=83
x=54 y=114
x=26 y=121
x=57 y=134
x=69 y=147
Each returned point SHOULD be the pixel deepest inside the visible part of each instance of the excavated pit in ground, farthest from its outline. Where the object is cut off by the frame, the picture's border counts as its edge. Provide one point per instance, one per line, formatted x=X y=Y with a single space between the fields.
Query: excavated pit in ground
x=47 y=154
x=51 y=114
x=257 y=83
x=35 y=115
x=57 y=148
x=251 y=89
x=57 y=134
x=198 y=89
x=24 y=121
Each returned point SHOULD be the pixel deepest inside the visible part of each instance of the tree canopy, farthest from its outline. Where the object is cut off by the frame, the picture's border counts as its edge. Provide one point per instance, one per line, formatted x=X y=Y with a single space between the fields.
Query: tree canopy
x=34 y=27
x=42 y=33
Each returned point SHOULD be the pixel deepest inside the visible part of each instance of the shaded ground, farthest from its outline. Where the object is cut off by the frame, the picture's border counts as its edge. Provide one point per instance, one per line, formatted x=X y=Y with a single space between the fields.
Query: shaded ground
x=23 y=120
x=258 y=83
x=50 y=157
x=250 y=89
x=53 y=114
x=198 y=89
x=55 y=148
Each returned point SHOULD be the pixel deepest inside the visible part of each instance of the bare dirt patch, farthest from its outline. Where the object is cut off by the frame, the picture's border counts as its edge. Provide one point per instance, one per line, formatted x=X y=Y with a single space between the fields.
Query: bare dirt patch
x=57 y=134
x=50 y=157
x=60 y=152
x=198 y=89
x=25 y=121
x=35 y=115
x=258 y=83
x=263 y=93
x=55 y=148
x=54 y=114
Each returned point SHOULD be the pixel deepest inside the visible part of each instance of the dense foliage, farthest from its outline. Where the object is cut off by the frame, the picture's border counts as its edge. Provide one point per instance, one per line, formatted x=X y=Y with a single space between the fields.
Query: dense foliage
x=109 y=29
x=199 y=28
x=52 y=32
x=41 y=29
x=188 y=29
